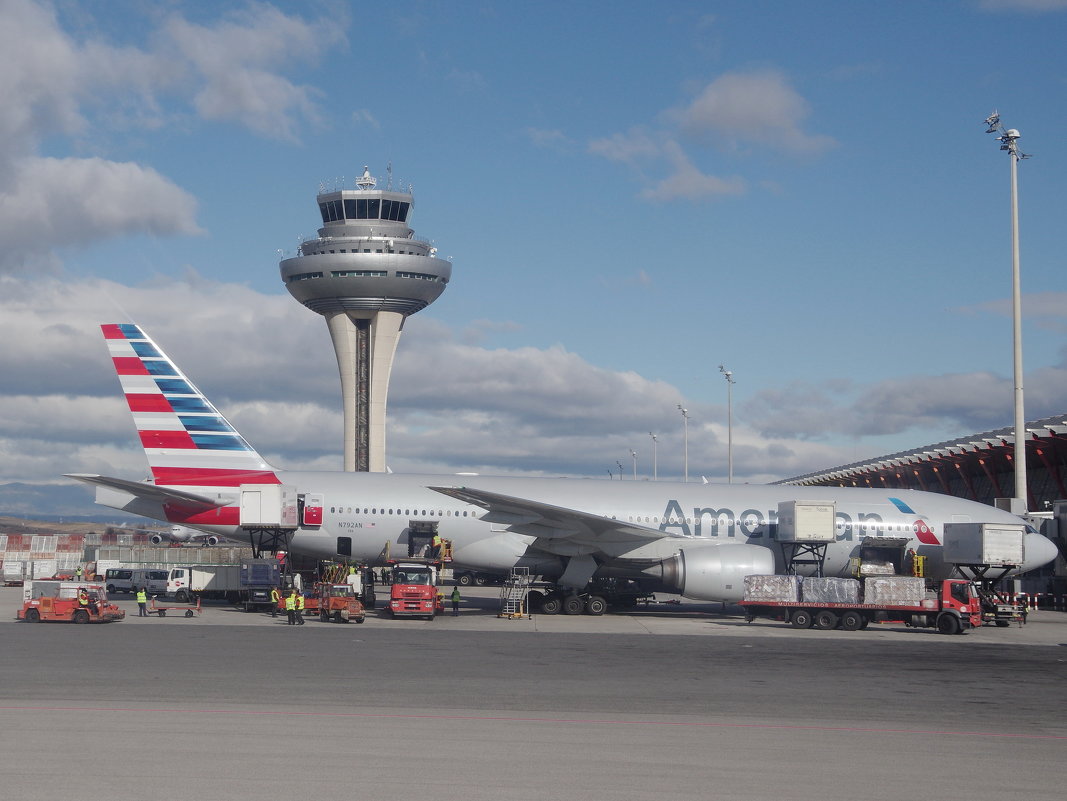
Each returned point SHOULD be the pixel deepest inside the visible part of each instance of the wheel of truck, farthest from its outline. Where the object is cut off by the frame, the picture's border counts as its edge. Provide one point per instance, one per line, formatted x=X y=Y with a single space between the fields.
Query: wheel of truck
x=1003 y=623
x=851 y=621
x=181 y=596
x=825 y=619
x=551 y=604
x=801 y=619
x=464 y=579
x=33 y=616
x=361 y=618
x=324 y=616
x=80 y=616
x=573 y=605
x=480 y=580
x=337 y=616
x=596 y=606
x=162 y=612
x=948 y=624
x=110 y=589
x=188 y=612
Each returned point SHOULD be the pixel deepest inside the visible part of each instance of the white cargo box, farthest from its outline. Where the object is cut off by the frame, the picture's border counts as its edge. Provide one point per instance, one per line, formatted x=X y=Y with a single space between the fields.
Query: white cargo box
x=894 y=590
x=807 y=521
x=268 y=505
x=984 y=543
x=783 y=589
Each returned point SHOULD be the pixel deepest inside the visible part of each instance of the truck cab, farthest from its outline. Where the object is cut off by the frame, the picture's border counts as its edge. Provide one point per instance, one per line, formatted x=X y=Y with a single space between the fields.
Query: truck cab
x=414 y=590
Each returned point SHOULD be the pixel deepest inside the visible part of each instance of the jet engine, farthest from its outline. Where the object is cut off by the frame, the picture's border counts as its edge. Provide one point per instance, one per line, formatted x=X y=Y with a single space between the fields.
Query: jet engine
x=713 y=572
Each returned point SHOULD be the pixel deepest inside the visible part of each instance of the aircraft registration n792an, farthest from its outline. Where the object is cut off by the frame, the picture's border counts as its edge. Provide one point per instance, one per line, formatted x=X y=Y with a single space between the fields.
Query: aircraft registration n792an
x=590 y=538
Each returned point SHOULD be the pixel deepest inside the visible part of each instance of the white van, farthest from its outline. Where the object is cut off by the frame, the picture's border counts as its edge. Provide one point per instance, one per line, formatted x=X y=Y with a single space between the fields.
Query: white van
x=118 y=579
x=153 y=579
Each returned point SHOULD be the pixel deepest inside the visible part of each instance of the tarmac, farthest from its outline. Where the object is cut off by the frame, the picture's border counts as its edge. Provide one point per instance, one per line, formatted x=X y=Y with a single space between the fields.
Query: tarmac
x=670 y=701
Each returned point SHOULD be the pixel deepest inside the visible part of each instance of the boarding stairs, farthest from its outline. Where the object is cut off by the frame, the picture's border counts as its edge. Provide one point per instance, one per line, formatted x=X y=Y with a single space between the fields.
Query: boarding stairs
x=514 y=592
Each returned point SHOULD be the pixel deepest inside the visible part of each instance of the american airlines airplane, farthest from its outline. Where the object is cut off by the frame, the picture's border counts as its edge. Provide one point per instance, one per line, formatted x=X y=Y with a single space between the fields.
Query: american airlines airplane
x=596 y=542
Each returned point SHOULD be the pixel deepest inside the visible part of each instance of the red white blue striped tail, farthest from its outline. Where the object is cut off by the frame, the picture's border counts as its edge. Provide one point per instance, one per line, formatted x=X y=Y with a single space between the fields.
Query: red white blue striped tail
x=185 y=438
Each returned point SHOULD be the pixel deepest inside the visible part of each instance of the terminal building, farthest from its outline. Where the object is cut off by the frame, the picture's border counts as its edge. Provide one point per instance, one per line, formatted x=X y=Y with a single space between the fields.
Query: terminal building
x=978 y=467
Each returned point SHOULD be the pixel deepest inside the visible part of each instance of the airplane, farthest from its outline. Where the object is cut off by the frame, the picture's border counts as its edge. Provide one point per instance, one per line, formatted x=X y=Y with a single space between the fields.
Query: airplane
x=594 y=542
x=176 y=534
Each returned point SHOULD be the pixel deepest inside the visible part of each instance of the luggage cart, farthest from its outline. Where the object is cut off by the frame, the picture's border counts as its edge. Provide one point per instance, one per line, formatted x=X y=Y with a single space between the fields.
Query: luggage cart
x=162 y=609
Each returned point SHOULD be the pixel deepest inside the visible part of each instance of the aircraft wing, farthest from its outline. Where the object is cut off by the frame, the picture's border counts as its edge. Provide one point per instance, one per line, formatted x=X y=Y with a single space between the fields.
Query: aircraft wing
x=150 y=492
x=587 y=532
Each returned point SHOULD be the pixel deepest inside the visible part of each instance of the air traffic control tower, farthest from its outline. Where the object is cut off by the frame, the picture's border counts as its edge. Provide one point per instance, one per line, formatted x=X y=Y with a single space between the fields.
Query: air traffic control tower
x=365 y=273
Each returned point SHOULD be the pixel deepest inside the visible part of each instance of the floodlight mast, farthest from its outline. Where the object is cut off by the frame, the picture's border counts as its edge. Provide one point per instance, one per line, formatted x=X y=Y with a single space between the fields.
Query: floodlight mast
x=730 y=382
x=685 y=423
x=1009 y=142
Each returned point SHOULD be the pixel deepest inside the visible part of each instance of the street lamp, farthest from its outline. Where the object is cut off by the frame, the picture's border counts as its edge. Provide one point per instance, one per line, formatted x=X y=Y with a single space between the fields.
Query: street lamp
x=633 y=455
x=1009 y=142
x=729 y=376
x=685 y=422
x=655 y=467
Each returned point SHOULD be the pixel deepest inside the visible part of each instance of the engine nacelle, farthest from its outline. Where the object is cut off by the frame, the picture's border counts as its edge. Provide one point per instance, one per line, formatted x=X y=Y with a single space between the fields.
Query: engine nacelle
x=211 y=540
x=157 y=539
x=715 y=572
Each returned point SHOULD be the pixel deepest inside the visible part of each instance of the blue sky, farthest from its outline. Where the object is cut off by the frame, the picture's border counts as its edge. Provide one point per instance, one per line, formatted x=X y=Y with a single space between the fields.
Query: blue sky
x=631 y=194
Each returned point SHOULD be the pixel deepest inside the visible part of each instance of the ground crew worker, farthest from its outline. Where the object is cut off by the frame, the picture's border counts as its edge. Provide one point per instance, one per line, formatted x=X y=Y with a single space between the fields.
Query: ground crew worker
x=436 y=546
x=275 y=596
x=142 y=599
x=300 y=610
x=456 y=598
x=83 y=599
x=290 y=607
x=78 y=573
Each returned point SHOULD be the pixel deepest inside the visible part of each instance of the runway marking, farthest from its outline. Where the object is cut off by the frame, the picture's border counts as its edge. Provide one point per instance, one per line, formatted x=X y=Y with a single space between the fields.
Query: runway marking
x=516 y=719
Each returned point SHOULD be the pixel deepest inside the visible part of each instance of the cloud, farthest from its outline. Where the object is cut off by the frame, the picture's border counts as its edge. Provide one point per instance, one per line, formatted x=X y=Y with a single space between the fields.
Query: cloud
x=455 y=405
x=736 y=111
x=751 y=107
x=99 y=200
x=236 y=61
x=59 y=89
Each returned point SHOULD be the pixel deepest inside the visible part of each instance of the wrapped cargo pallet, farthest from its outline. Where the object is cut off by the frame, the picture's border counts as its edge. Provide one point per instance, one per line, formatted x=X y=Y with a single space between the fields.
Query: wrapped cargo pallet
x=894 y=590
x=772 y=588
x=820 y=590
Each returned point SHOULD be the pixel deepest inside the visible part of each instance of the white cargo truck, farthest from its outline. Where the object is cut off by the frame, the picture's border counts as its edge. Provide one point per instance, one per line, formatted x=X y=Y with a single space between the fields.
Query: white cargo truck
x=14 y=571
x=188 y=583
x=996 y=544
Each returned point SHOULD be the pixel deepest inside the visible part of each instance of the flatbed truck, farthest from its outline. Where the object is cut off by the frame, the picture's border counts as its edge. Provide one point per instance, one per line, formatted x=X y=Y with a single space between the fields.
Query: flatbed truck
x=954 y=608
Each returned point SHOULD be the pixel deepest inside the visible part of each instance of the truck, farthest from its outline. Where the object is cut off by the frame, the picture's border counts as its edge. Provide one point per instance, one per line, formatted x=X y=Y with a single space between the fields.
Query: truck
x=952 y=606
x=14 y=572
x=986 y=553
x=62 y=601
x=413 y=592
x=247 y=584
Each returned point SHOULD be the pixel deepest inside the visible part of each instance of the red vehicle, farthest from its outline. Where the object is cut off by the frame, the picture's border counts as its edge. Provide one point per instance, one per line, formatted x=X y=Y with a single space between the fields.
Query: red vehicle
x=338 y=602
x=414 y=590
x=954 y=610
x=67 y=602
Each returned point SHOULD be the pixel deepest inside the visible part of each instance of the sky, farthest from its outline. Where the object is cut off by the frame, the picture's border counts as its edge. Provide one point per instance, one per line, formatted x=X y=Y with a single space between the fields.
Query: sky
x=631 y=195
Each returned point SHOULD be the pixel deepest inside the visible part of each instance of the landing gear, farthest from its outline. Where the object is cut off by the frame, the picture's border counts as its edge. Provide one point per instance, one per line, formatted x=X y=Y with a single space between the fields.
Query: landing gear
x=551 y=604
x=595 y=605
x=573 y=605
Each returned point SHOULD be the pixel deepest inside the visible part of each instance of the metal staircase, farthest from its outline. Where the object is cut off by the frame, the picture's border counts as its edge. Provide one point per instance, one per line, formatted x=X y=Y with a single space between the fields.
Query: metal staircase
x=513 y=593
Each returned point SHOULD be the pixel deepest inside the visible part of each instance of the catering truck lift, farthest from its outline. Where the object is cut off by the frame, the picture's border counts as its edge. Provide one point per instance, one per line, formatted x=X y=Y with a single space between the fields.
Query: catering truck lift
x=67 y=602
x=952 y=606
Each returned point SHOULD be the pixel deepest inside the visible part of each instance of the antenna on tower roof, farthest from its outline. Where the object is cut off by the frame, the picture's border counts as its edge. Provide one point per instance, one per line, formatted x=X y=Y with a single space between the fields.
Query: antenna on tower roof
x=389 y=170
x=366 y=181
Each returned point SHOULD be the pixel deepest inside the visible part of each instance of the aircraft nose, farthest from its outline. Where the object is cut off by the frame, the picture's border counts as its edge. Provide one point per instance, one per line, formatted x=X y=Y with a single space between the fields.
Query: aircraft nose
x=1039 y=550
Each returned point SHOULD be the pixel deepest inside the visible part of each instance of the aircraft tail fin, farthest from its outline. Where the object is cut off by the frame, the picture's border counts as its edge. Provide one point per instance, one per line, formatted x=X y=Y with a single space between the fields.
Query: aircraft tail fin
x=185 y=438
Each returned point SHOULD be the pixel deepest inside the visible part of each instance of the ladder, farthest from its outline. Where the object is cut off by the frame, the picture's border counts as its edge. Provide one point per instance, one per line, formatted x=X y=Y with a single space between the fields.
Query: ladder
x=513 y=593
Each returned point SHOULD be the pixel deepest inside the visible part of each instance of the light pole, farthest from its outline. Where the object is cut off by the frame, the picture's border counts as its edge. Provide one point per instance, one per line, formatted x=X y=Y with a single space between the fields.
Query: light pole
x=655 y=467
x=633 y=455
x=620 y=468
x=685 y=422
x=729 y=376
x=1009 y=142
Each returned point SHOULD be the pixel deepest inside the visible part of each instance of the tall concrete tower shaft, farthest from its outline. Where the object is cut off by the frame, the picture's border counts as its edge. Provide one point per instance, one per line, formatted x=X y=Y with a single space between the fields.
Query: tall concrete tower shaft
x=365 y=273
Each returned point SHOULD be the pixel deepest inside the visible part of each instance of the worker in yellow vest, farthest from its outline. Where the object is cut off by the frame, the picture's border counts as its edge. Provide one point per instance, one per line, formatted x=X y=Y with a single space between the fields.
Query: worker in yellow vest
x=142 y=599
x=437 y=542
x=290 y=607
x=300 y=610
x=275 y=596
